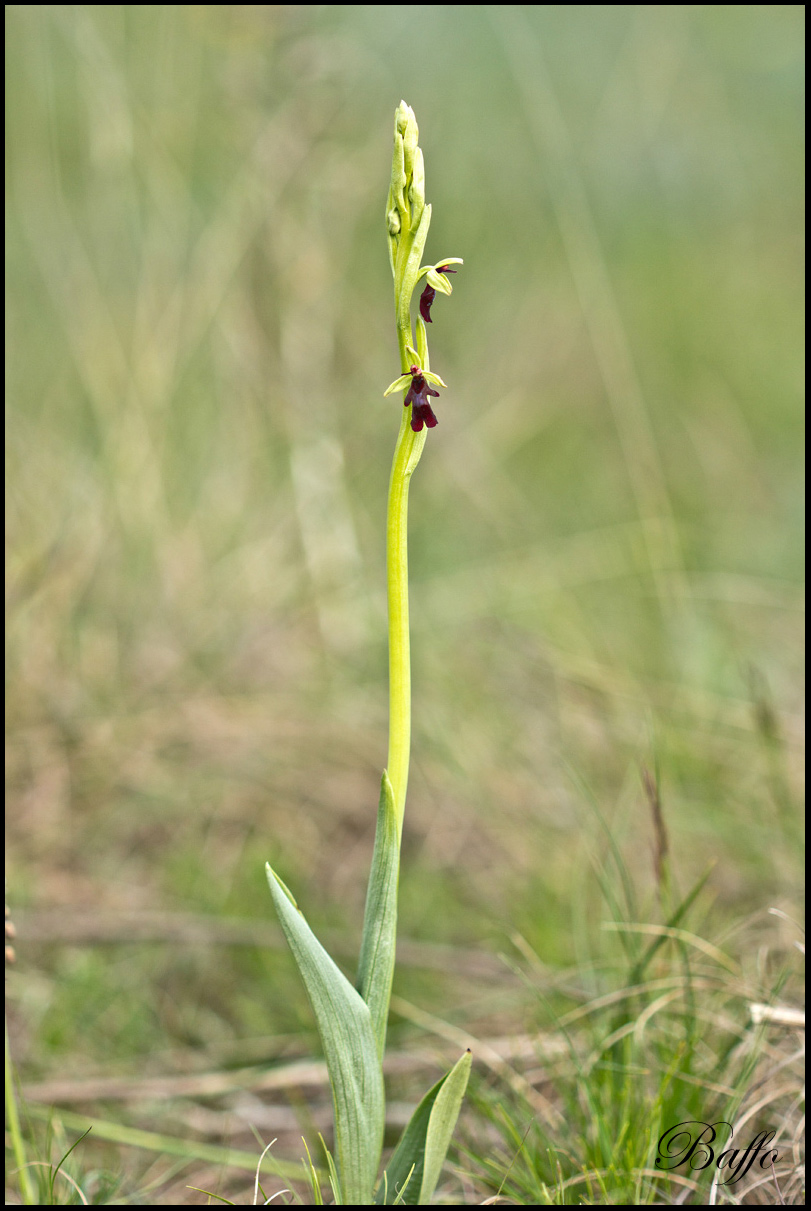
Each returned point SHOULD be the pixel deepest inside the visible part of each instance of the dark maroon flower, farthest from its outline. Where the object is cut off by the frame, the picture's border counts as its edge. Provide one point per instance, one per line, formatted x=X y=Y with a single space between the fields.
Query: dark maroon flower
x=417 y=396
x=429 y=294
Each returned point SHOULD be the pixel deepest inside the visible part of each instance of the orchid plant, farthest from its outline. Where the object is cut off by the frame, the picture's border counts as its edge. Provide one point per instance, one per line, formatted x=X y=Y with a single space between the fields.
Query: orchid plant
x=351 y=1020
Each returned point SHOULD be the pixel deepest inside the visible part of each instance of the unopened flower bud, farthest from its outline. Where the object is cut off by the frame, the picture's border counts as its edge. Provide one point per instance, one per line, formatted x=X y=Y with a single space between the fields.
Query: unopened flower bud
x=401 y=116
x=410 y=136
x=416 y=193
x=398 y=175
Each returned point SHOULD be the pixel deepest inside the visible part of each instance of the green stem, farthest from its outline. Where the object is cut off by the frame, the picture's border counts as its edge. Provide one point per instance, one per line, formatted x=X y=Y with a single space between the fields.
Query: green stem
x=402 y=311
x=406 y=456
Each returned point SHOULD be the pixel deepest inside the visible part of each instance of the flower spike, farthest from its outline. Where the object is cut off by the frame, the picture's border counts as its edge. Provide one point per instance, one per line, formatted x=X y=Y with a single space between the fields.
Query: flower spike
x=408 y=216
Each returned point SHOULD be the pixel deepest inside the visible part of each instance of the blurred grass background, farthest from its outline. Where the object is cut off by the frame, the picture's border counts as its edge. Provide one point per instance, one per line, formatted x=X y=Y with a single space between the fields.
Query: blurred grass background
x=606 y=528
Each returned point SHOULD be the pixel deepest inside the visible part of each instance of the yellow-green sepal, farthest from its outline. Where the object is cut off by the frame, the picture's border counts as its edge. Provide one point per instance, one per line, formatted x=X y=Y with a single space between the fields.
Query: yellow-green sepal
x=432 y=272
x=439 y=282
x=399 y=384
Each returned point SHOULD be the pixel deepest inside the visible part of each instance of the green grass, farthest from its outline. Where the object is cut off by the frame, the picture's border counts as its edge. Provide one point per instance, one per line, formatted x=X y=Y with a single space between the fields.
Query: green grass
x=606 y=557
x=672 y=1041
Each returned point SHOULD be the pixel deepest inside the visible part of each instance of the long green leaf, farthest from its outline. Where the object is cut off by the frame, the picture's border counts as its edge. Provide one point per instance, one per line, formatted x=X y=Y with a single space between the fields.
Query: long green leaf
x=376 y=966
x=350 y=1049
x=406 y=1164
x=441 y=1125
x=413 y=1171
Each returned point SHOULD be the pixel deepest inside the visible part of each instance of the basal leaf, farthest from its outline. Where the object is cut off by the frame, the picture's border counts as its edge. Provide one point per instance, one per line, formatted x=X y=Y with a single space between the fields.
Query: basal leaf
x=408 y=1179
x=441 y=1124
x=407 y=1161
x=350 y=1049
